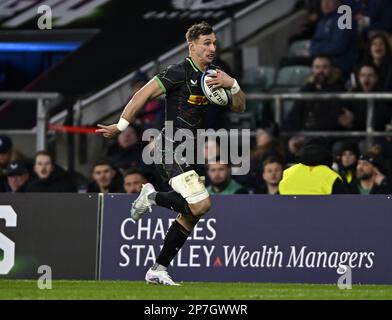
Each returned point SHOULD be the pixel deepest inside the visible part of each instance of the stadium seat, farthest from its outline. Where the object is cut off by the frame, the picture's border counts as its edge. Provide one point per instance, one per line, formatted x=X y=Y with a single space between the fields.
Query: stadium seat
x=256 y=79
x=292 y=76
x=299 y=48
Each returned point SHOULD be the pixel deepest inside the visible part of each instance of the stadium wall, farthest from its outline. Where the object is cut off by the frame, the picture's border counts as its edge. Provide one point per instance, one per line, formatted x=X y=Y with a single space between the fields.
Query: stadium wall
x=56 y=230
x=246 y=238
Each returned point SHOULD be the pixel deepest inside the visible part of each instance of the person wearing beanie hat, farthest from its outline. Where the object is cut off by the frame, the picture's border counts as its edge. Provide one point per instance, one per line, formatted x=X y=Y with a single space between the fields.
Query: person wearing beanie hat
x=313 y=174
x=371 y=175
x=347 y=159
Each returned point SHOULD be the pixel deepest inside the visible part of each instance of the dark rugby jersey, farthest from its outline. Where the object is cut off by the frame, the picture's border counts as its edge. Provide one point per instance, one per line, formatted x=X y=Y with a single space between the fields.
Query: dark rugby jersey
x=186 y=104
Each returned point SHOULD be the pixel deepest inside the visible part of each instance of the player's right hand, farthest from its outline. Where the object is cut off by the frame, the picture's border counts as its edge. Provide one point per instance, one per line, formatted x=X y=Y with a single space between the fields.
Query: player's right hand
x=109 y=131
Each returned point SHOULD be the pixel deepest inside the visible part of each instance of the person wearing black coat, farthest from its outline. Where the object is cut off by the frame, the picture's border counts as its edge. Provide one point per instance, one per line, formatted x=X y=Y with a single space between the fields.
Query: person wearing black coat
x=49 y=176
x=371 y=176
x=106 y=178
x=318 y=115
x=379 y=53
x=368 y=82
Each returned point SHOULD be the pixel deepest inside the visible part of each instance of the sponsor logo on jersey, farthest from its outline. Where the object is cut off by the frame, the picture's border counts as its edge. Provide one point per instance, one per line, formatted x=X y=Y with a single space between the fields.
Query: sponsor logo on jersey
x=198 y=100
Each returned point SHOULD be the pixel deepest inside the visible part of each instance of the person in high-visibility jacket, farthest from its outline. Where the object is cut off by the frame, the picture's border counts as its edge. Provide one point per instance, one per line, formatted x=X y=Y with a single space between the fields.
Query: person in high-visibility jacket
x=313 y=174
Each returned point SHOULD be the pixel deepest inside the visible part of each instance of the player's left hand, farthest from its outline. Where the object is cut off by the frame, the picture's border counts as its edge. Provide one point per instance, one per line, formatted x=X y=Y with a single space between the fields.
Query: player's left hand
x=109 y=131
x=220 y=80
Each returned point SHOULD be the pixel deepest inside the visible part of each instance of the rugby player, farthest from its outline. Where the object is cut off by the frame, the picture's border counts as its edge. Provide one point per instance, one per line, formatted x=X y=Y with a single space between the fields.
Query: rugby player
x=186 y=106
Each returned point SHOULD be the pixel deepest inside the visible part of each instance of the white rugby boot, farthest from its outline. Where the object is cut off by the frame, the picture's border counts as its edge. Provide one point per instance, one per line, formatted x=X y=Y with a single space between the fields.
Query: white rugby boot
x=159 y=277
x=142 y=203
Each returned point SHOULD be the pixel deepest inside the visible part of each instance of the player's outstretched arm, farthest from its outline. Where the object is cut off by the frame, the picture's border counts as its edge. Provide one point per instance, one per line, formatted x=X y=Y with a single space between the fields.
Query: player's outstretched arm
x=150 y=91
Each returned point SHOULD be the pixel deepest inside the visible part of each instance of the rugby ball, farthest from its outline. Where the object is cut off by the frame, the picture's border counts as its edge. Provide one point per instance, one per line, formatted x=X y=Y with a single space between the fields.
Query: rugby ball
x=219 y=96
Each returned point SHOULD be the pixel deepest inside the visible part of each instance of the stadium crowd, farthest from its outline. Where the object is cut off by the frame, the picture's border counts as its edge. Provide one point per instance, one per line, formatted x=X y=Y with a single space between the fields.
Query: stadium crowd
x=341 y=60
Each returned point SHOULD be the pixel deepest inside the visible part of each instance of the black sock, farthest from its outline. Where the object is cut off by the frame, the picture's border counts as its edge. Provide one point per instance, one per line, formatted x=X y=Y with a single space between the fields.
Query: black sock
x=172 y=200
x=174 y=240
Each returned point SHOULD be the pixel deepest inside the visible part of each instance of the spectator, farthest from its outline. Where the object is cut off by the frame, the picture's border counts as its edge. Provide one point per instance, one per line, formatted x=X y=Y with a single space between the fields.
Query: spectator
x=330 y=40
x=294 y=147
x=134 y=179
x=272 y=174
x=367 y=83
x=127 y=152
x=267 y=144
x=347 y=160
x=368 y=78
x=317 y=115
x=106 y=178
x=379 y=54
x=313 y=174
x=371 y=177
x=18 y=176
x=221 y=182
x=7 y=154
x=49 y=176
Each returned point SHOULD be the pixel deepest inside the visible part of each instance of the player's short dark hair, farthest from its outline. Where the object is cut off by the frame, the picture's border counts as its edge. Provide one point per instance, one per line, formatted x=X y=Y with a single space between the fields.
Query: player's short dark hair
x=197 y=30
x=136 y=170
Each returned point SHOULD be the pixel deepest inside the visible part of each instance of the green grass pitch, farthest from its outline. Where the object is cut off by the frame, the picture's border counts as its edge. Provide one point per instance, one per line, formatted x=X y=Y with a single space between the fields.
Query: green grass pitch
x=120 y=290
